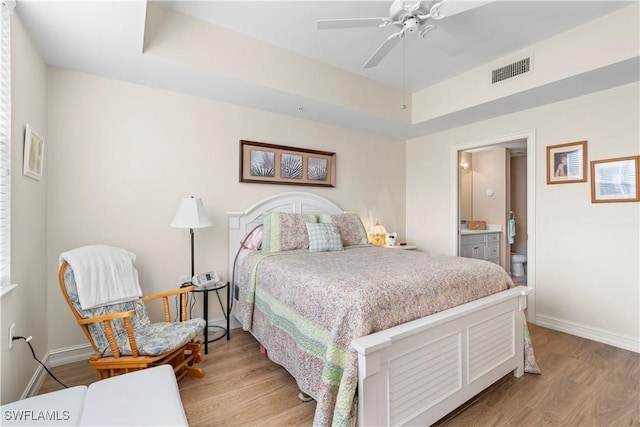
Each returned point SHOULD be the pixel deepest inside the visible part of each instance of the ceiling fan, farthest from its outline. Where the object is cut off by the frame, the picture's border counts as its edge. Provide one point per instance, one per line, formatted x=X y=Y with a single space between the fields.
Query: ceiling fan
x=410 y=16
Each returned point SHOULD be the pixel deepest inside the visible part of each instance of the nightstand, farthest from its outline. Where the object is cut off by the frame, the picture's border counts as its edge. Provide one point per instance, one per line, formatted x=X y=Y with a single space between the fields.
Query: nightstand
x=404 y=247
x=217 y=287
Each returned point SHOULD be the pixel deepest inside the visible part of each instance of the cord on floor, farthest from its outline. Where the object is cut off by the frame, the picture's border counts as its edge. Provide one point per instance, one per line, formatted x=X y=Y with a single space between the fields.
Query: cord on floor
x=34 y=356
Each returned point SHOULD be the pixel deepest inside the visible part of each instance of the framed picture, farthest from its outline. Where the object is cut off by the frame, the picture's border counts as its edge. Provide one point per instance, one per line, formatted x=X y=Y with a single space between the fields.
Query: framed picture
x=33 y=154
x=615 y=180
x=567 y=163
x=278 y=164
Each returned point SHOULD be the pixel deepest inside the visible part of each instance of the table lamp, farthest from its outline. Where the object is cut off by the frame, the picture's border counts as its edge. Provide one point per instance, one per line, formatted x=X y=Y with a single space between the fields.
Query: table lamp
x=191 y=214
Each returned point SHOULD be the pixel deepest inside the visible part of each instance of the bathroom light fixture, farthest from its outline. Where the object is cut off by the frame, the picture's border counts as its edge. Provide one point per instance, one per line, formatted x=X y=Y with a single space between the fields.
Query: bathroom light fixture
x=464 y=165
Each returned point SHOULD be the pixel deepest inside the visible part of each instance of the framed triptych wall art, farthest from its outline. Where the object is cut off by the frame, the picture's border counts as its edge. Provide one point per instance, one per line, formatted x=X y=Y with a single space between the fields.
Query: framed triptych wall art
x=279 y=164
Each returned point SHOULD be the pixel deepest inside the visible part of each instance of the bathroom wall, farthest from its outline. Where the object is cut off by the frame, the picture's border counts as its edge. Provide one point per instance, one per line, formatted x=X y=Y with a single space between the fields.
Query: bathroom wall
x=466 y=187
x=519 y=202
x=489 y=173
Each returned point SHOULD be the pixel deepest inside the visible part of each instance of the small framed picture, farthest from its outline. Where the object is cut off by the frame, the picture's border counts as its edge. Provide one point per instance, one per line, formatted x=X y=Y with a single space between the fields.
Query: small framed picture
x=567 y=163
x=615 y=180
x=33 y=154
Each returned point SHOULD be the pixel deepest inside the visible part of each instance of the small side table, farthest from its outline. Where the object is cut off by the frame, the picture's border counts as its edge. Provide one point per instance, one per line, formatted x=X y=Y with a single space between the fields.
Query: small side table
x=205 y=309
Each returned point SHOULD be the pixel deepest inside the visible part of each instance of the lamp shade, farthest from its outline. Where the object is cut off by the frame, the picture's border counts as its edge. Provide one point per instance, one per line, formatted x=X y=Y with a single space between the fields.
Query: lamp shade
x=191 y=214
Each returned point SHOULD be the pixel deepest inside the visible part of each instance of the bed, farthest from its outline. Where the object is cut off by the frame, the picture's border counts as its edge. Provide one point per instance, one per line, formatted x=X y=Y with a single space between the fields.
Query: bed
x=358 y=328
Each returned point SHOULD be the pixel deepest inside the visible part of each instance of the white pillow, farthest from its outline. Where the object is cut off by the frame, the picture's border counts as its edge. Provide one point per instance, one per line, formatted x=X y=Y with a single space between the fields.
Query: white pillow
x=324 y=237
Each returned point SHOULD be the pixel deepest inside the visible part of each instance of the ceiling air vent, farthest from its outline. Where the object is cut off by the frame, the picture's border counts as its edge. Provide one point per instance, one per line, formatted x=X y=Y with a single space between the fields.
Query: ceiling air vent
x=519 y=67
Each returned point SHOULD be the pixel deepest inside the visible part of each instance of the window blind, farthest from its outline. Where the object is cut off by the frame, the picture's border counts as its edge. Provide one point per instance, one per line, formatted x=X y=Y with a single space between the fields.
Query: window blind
x=5 y=142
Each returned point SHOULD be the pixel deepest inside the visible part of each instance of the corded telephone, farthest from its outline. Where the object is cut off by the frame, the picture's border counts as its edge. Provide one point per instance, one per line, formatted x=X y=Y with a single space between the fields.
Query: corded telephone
x=206 y=279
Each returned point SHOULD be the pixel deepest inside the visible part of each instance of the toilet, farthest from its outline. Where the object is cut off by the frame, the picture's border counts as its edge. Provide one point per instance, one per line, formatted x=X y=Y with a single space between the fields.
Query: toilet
x=517 y=263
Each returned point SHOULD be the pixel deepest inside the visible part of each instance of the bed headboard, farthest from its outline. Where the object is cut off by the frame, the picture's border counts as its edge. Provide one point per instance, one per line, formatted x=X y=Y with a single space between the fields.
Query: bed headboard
x=240 y=223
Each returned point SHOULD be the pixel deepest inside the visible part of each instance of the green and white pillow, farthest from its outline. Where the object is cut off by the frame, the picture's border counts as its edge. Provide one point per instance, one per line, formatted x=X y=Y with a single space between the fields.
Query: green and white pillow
x=324 y=237
x=285 y=231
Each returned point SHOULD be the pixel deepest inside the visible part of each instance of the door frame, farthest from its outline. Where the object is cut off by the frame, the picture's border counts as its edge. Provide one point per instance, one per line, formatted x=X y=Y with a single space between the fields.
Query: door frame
x=530 y=136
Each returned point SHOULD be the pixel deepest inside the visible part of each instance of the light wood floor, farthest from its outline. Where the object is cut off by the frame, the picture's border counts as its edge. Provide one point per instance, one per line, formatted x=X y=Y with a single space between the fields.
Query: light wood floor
x=584 y=383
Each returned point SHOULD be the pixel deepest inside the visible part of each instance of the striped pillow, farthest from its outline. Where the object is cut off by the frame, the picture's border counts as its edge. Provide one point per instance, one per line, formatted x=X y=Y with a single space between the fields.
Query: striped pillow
x=324 y=237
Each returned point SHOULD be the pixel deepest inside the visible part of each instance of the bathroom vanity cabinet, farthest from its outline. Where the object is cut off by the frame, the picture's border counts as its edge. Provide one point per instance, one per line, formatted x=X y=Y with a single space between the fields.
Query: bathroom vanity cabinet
x=481 y=245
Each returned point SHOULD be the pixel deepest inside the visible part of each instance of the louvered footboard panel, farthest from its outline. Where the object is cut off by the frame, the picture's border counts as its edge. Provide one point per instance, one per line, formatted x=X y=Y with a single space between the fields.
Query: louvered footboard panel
x=416 y=373
x=491 y=342
x=424 y=377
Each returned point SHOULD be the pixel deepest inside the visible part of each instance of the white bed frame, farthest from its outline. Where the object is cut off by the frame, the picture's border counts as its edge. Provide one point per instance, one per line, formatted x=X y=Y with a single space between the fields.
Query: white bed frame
x=418 y=372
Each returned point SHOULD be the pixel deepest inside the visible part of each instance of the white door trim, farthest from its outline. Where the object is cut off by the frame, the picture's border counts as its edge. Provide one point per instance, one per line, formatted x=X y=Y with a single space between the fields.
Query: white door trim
x=530 y=136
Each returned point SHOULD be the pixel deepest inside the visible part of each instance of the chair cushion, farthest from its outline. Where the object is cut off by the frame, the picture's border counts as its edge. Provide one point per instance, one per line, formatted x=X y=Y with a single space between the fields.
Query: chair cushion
x=159 y=338
x=139 y=321
x=153 y=339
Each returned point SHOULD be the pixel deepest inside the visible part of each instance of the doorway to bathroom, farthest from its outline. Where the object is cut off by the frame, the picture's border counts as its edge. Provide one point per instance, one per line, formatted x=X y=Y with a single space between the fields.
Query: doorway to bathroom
x=496 y=186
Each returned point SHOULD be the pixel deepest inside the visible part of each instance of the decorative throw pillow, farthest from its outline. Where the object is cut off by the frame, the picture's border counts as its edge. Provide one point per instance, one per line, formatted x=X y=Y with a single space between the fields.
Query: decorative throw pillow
x=253 y=241
x=324 y=237
x=350 y=227
x=285 y=231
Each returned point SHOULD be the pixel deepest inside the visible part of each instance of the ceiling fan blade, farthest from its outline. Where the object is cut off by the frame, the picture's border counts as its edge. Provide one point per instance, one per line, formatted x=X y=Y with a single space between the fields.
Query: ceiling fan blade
x=384 y=49
x=335 y=24
x=447 y=8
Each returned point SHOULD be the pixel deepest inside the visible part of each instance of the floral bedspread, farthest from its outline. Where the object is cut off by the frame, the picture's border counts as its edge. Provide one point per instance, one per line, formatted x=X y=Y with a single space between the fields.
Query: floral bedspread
x=305 y=308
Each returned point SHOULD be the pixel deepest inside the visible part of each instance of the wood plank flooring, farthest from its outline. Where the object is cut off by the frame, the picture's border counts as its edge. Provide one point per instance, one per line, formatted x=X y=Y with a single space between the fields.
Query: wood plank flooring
x=584 y=383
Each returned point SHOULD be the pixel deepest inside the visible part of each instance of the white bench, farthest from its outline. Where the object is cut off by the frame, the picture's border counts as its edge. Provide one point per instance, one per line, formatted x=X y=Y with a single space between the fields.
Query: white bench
x=149 y=397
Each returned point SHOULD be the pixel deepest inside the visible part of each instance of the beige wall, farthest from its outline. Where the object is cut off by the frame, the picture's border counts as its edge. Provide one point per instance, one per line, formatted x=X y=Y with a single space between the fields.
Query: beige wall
x=224 y=52
x=26 y=305
x=125 y=155
x=587 y=254
x=608 y=40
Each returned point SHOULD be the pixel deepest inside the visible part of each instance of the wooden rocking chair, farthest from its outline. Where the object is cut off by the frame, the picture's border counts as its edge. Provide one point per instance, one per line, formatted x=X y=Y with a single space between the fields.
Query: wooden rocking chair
x=124 y=339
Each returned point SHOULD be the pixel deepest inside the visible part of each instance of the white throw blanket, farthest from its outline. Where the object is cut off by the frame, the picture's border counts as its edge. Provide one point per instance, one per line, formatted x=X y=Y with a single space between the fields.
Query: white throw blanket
x=104 y=275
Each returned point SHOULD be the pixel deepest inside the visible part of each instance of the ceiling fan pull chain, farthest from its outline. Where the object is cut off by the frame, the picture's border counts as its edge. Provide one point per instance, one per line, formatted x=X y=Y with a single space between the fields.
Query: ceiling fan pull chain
x=404 y=89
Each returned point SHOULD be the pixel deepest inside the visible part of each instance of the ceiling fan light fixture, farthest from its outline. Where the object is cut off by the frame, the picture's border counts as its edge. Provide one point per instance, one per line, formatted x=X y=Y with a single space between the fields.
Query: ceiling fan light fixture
x=411 y=16
x=411 y=25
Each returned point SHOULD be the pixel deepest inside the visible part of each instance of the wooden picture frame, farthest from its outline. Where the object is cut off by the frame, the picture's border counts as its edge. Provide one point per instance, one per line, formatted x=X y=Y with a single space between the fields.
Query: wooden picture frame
x=567 y=163
x=615 y=180
x=278 y=164
x=33 y=154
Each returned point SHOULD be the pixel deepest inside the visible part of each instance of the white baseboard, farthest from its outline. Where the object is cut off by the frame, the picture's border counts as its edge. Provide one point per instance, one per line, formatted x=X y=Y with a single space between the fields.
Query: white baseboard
x=222 y=322
x=64 y=356
x=33 y=387
x=606 y=337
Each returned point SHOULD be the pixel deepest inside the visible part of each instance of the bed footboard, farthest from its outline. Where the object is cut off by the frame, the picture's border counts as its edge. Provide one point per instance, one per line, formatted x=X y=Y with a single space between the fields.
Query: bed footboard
x=418 y=372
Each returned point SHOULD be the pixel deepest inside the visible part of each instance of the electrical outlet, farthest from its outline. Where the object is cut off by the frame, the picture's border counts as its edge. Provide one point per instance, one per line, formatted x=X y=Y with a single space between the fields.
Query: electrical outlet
x=11 y=329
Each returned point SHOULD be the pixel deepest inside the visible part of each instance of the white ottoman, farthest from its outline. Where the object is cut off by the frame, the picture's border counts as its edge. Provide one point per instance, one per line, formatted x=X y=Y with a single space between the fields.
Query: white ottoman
x=143 y=398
